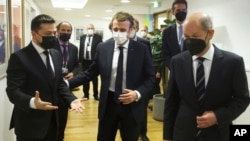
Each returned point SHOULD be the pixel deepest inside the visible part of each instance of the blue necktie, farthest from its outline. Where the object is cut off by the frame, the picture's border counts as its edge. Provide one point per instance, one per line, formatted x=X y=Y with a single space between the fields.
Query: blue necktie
x=180 y=37
x=65 y=54
x=119 y=76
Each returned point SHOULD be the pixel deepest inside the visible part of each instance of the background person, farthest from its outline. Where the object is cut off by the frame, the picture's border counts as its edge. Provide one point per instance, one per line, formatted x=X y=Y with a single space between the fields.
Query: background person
x=172 y=36
x=69 y=68
x=88 y=44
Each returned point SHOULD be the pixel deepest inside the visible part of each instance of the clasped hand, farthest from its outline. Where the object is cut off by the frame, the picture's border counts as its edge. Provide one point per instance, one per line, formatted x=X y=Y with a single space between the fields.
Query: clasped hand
x=128 y=96
x=75 y=105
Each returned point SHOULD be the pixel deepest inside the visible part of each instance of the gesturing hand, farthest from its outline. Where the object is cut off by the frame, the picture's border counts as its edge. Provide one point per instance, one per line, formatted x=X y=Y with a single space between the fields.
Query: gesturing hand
x=43 y=105
x=77 y=106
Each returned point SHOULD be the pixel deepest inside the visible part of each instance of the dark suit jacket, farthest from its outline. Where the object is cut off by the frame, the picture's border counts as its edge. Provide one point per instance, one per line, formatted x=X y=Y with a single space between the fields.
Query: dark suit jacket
x=226 y=94
x=73 y=62
x=170 y=43
x=146 y=42
x=95 y=41
x=26 y=73
x=139 y=74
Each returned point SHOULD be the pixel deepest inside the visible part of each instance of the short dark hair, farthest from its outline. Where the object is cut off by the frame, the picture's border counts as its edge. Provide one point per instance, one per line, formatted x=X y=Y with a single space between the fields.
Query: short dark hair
x=179 y=2
x=59 y=25
x=136 y=23
x=41 y=19
x=121 y=17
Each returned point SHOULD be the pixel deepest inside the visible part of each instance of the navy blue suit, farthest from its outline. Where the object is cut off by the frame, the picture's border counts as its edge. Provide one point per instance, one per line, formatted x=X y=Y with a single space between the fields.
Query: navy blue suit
x=226 y=94
x=170 y=43
x=139 y=76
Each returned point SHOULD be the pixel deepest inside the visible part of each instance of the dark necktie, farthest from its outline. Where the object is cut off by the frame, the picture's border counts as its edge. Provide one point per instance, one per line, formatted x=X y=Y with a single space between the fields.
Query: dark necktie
x=119 y=76
x=49 y=68
x=200 y=79
x=200 y=89
x=87 y=49
x=65 y=54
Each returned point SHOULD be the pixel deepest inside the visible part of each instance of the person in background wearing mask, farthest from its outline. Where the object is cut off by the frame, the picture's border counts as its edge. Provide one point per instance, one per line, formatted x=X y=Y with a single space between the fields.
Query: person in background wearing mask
x=144 y=32
x=172 y=37
x=70 y=67
x=88 y=44
x=133 y=36
x=127 y=77
x=207 y=87
x=34 y=84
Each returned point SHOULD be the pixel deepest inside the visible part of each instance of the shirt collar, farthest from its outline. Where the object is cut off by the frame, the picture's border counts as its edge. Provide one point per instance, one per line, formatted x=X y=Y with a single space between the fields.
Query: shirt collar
x=61 y=43
x=38 y=48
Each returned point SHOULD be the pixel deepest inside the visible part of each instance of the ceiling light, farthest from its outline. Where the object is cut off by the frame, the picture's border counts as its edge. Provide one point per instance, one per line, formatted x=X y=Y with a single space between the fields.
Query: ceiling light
x=125 y=1
x=69 y=3
x=109 y=10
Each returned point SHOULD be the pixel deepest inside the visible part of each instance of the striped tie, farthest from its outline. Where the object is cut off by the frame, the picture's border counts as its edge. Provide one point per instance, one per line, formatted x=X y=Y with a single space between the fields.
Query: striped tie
x=200 y=79
x=200 y=89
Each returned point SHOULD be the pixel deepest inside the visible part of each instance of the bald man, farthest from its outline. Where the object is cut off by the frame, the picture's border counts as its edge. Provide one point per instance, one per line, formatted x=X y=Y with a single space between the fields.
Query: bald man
x=224 y=95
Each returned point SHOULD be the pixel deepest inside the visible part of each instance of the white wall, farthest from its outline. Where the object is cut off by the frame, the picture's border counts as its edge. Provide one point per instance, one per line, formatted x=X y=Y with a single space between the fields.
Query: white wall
x=5 y=114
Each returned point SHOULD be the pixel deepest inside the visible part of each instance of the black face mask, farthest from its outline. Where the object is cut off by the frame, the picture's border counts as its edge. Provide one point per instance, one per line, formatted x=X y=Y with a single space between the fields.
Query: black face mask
x=195 y=46
x=181 y=16
x=48 y=42
x=64 y=37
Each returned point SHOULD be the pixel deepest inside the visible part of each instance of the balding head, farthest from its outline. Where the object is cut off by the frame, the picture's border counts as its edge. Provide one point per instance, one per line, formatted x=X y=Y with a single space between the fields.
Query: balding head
x=199 y=26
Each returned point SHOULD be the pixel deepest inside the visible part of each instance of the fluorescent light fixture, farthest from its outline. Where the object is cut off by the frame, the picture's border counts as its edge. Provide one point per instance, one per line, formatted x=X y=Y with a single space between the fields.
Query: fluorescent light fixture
x=78 y=4
x=125 y=1
x=109 y=10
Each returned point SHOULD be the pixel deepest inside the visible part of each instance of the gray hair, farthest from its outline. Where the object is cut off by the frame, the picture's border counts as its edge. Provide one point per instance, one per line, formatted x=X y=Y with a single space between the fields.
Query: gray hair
x=206 y=22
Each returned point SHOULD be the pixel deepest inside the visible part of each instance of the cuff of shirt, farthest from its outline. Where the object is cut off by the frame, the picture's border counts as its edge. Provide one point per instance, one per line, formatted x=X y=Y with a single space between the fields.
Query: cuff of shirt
x=67 y=82
x=32 y=103
x=138 y=95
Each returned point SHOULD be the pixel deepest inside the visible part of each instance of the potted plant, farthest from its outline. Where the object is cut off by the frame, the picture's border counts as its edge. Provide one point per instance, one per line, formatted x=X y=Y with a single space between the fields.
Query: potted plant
x=157 y=55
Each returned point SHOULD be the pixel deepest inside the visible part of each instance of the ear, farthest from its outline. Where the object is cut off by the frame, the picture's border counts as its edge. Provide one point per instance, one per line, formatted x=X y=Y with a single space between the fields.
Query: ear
x=210 y=33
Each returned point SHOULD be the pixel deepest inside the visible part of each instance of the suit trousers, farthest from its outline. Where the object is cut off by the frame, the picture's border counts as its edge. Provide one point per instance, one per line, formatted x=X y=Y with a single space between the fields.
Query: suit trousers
x=117 y=116
x=63 y=117
x=85 y=65
x=52 y=134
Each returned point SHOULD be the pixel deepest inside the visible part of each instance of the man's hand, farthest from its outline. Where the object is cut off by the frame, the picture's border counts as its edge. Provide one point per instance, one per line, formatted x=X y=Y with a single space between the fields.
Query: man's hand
x=68 y=76
x=207 y=119
x=43 y=105
x=77 y=106
x=128 y=97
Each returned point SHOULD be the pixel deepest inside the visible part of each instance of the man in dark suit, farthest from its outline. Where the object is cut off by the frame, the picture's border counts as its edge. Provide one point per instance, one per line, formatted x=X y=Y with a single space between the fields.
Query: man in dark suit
x=121 y=104
x=88 y=44
x=143 y=132
x=70 y=68
x=172 y=38
x=203 y=98
x=34 y=83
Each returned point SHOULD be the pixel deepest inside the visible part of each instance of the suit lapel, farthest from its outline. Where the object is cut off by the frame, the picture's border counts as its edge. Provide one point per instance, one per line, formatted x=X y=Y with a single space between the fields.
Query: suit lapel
x=216 y=68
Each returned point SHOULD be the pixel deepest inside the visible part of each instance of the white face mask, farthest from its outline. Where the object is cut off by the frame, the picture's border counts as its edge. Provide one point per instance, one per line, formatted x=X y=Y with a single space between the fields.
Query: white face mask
x=120 y=37
x=143 y=34
x=132 y=34
x=90 y=32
